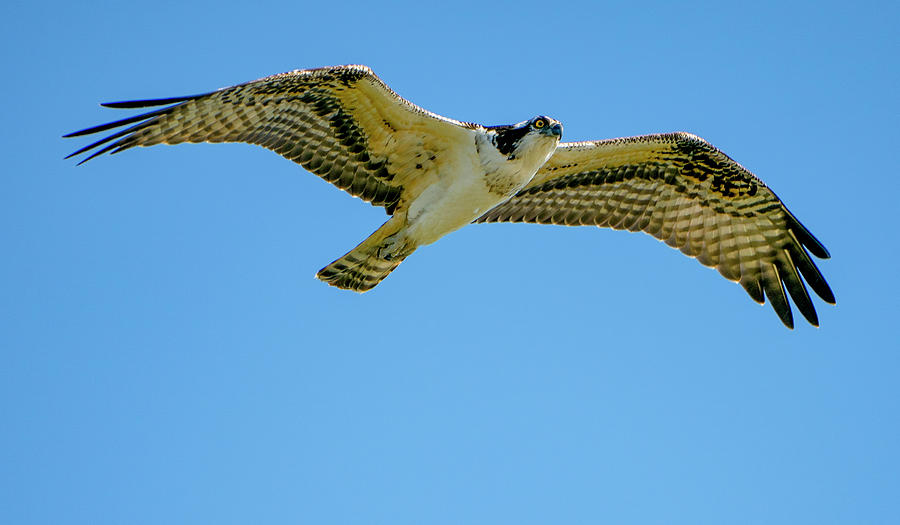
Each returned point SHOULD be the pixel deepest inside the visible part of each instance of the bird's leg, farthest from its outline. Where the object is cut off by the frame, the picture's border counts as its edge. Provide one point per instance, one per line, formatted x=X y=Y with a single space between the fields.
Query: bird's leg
x=395 y=246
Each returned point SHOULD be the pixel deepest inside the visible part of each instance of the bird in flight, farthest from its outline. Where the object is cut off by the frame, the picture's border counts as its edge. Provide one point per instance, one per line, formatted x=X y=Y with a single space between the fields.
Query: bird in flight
x=434 y=175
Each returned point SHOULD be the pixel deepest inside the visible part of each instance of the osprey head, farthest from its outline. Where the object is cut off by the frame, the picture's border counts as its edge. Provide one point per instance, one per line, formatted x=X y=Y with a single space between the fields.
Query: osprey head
x=540 y=132
x=546 y=126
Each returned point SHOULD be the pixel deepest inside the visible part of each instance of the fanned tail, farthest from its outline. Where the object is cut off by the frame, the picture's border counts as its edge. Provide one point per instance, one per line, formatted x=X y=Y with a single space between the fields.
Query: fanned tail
x=369 y=263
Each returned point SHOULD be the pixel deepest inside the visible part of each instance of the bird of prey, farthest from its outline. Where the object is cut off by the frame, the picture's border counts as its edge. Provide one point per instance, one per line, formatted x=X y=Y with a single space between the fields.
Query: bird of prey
x=434 y=175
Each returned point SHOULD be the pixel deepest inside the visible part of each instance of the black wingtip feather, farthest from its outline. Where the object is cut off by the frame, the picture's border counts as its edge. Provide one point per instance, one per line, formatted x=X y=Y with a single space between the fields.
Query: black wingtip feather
x=172 y=103
x=104 y=140
x=141 y=120
x=131 y=104
x=811 y=274
x=791 y=279
x=117 y=123
x=752 y=286
x=777 y=298
x=98 y=153
x=806 y=238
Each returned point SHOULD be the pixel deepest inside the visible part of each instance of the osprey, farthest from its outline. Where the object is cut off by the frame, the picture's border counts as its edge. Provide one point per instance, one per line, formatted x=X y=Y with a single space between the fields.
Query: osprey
x=434 y=175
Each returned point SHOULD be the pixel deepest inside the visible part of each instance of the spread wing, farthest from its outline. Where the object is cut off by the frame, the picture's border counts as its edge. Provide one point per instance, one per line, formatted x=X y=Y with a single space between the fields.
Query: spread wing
x=341 y=123
x=685 y=192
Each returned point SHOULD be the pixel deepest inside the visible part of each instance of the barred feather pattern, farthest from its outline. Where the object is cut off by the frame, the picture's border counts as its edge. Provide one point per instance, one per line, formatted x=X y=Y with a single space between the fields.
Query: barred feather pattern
x=686 y=193
x=341 y=123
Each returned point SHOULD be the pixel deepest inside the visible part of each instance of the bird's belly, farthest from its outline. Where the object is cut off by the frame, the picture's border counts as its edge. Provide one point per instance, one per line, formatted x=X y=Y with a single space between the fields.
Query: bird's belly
x=441 y=209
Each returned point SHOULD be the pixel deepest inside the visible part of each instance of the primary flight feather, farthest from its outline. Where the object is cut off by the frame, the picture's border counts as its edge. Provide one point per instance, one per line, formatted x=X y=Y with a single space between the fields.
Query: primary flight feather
x=434 y=175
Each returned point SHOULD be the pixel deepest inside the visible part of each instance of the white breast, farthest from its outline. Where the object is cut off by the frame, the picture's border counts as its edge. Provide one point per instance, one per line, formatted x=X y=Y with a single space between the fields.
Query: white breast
x=472 y=183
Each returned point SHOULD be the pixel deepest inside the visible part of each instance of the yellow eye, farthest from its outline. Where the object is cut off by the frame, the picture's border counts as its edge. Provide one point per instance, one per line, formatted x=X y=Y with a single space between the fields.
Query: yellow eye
x=540 y=123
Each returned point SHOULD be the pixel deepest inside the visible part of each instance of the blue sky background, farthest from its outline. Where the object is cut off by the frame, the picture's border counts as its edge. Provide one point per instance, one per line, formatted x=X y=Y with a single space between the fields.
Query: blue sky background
x=168 y=356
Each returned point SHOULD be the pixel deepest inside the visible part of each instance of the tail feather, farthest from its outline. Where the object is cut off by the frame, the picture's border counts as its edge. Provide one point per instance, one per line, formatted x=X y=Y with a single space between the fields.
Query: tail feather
x=368 y=264
x=358 y=275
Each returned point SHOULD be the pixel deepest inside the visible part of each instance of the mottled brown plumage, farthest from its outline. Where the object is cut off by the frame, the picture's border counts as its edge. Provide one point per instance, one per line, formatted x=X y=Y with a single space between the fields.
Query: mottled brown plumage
x=683 y=191
x=341 y=123
x=434 y=174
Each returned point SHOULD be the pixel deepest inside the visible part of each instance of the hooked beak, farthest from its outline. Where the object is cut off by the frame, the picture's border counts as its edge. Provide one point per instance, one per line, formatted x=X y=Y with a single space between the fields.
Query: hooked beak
x=553 y=130
x=556 y=129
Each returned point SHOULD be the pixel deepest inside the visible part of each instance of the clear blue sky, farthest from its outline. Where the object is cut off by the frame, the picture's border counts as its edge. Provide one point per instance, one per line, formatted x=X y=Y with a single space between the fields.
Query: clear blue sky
x=168 y=356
